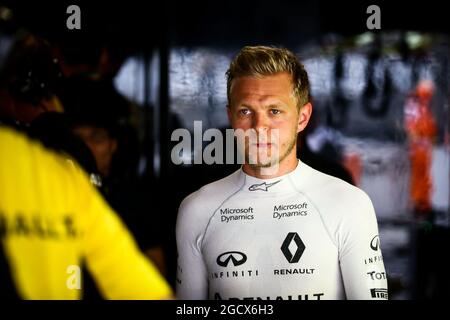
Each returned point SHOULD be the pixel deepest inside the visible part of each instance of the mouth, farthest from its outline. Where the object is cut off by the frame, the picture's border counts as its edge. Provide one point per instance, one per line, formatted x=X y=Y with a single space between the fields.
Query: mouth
x=263 y=145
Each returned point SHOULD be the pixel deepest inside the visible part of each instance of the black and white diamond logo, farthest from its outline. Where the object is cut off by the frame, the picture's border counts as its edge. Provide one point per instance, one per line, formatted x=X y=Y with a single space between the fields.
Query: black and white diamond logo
x=293 y=239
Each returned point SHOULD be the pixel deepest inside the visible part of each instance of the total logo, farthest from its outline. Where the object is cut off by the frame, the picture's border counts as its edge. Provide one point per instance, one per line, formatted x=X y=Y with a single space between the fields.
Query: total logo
x=377 y=275
x=230 y=260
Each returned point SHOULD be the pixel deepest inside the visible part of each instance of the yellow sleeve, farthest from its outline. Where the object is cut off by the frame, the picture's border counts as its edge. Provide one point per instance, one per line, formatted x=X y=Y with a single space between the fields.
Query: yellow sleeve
x=121 y=271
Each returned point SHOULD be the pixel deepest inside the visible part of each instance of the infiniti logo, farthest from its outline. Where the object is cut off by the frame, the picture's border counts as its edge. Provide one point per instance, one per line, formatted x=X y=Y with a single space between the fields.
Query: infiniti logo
x=293 y=258
x=375 y=243
x=237 y=258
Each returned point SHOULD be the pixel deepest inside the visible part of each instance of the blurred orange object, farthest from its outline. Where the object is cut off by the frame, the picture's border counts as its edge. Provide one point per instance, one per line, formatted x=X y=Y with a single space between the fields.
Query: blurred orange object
x=352 y=162
x=421 y=128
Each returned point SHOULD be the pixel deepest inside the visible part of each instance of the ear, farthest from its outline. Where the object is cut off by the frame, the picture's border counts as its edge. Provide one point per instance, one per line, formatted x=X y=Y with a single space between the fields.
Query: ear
x=304 y=116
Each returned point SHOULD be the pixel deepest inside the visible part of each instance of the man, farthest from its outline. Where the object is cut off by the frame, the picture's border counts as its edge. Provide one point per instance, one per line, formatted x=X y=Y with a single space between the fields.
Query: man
x=53 y=221
x=276 y=228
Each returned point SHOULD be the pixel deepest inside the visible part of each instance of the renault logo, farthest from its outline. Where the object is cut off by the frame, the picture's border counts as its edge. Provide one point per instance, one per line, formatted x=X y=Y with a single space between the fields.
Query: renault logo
x=237 y=258
x=293 y=237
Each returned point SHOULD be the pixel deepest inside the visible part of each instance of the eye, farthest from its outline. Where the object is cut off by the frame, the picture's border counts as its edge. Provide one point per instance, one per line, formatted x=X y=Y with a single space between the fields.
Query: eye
x=244 y=112
x=275 y=111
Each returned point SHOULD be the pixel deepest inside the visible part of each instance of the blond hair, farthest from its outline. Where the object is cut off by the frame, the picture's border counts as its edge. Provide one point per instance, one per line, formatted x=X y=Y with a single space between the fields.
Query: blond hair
x=261 y=61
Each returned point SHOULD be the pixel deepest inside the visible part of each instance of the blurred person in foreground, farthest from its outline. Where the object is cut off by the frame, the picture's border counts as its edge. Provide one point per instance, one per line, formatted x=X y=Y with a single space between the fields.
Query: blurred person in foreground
x=52 y=221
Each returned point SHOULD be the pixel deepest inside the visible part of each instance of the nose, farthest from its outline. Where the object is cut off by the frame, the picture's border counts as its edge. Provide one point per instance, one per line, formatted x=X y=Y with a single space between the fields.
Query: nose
x=261 y=122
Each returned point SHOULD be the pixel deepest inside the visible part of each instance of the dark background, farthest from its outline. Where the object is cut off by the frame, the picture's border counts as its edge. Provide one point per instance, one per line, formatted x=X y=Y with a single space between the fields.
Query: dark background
x=225 y=23
x=146 y=27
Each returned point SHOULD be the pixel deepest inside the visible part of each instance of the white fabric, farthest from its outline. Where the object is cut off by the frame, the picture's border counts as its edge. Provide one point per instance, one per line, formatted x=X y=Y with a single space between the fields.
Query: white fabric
x=230 y=237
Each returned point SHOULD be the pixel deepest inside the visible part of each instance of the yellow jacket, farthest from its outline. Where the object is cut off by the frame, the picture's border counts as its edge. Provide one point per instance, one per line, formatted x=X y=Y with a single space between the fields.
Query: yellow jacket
x=52 y=220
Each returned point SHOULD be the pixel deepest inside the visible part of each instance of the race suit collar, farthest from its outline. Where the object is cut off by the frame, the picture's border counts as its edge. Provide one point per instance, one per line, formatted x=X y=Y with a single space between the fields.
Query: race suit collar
x=274 y=185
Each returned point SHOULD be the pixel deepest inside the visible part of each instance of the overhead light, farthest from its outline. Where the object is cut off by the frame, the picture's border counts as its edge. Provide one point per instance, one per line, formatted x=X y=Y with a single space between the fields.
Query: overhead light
x=365 y=38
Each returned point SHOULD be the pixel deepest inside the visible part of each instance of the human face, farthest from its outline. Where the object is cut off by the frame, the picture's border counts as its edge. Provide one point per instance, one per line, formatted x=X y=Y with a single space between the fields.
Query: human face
x=268 y=106
x=101 y=145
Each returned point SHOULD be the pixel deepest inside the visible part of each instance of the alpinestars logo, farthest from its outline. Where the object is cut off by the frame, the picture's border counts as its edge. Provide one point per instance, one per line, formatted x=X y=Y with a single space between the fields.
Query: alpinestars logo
x=235 y=257
x=293 y=257
x=262 y=186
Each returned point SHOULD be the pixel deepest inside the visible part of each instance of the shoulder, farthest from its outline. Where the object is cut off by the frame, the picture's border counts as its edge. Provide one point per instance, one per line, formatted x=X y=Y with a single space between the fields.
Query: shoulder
x=197 y=209
x=28 y=154
x=209 y=197
x=346 y=210
x=336 y=197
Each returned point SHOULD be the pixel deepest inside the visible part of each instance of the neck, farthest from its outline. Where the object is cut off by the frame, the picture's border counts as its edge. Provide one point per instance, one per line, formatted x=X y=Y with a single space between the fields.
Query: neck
x=285 y=166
